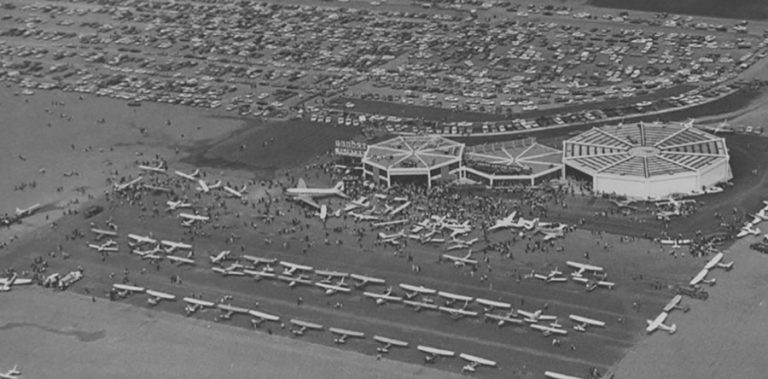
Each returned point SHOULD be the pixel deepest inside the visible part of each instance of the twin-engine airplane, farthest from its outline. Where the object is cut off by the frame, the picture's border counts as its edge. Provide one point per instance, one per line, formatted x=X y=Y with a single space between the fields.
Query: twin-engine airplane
x=307 y=195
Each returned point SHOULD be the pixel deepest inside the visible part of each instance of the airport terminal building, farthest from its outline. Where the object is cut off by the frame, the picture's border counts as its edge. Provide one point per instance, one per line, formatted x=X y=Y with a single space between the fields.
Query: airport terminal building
x=648 y=160
x=512 y=163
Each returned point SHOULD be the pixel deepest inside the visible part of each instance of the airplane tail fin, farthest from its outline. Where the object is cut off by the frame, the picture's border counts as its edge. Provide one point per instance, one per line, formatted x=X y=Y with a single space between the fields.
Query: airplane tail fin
x=301 y=184
x=339 y=186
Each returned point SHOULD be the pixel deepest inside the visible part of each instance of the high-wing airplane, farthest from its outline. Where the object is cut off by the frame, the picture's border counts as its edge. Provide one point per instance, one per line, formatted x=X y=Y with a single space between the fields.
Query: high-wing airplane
x=504 y=223
x=382 y=298
x=140 y=240
x=7 y=283
x=534 y=317
x=549 y=330
x=110 y=245
x=156 y=296
x=748 y=229
x=126 y=185
x=675 y=304
x=658 y=323
x=363 y=280
x=296 y=280
x=123 y=290
x=393 y=236
x=236 y=193
x=433 y=353
x=419 y=305
x=359 y=203
x=291 y=268
x=13 y=373
x=171 y=246
x=388 y=344
x=461 y=261
x=258 y=275
x=191 y=176
x=329 y=276
x=193 y=305
x=173 y=205
x=552 y=235
x=307 y=195
x=220 y=257
x=180 y=260
x=256 y=261
x=592 y=284
x=557 y=375
x=581 y=268
x=160 y=168
x=699 y=278
x=583 y=322
x=227 y=311
x=457 y=313
x=503 y=319
x=363 y=217
x=413 y=291
x=716 y=261
x=259 y=317
x=552 y=277
x=192 y=218
x=475 y=361
x=344 y=334
x=451 y=298
x=331 y=289
x=227 y=271
x=303 y=326
x=101 y=233
x=490 y=305
x=205 y=187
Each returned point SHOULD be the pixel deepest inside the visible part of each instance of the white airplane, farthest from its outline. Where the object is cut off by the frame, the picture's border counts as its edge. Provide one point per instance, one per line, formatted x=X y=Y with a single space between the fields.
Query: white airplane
x=557 y=375
x=258 y=275
x=235 y=193
x=400 y=208
x=171 y=246
x=227 y=271
x=51 y=280
x=174 y=205
x=220 y=257
x=307 y=195
x=389 y=223
x=296 y=280
x=583 y=267
x=344 y=334
x=675 y=304
x=140 y=240
x=180 y=260
x=363 y=280
x=13 y=373
x=7 y=283
x=534 y=317
x=552 y=235
x=260 y=317
x=747 y=230
x=191 y=218
x=291 y=268
x=329 y=276
x=527 y=224
x=126 y=185
x=388 y=344
x=159 y=168
x=227 y=311
x=592 y=284
x=331 y=289
x=504 y=319
x=363 y=217
x=393 y=236
x=303 y=327
x=205 y=187
x=256 y=261
x=504 y=223
x=549 y=330
x=193 y=305
x=433 y=353
x=156 y=296
x=191 y=176
x=716 y=261
x=419 y=305
x=699 y=278
x=123 y=290
x=457 y=313
x=110 y=245
x=382 y=298
x=490 y=305
x=474 y=362
x=413 y=291
x=359 y=203
x=658 y=323
x=451 y=298
x=101 y=233
x=676 y=243
x=461 y=261
x=27 y=211
x=583 y=322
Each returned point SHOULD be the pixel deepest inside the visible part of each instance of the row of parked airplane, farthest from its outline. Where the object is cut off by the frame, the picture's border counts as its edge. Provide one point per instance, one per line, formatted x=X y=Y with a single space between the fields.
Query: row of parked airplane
x=136 y=241
x=193 y=176
x=750 y=228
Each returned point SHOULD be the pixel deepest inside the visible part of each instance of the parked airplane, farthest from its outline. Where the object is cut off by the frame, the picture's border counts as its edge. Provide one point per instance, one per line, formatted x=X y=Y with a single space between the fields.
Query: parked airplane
x=452 y=298
x=583 y=322
x=699 y=278
x=123 y=290
x=457 y=313
x=171 y=246
x=552 y=235
x=344 y=334
x=363 y=280
x=303 y=327
x=433 y=353
x=307 y=195
x=502 y=320
x=237 y=193
x=658 y=323
x=557 y=375
x=461 y=261
x=110 y=245
x=390 y=223
x=490 y=305
x=220 y=257
x=13 y=373
x=189 y=219
x=156 y=296
x=419 y=305
x=259 y=261
x=227 y=271
x=296 y=280
x=331 y=289
x=291 y=268
x=413 y=291
x=716 y=261
x=382 y=298
x=549 y=330
x=582 y=268
x=329 y=276
x=534 y=317
x=173 y=205
x=7 y=283
x=126 y=185
x=260 y=317
x=504 y=223
x=363 y=217
x=359 y=203
x=747 y=230
x=193 y=305
x=227 y=311
x=592 y=284
x=180 y=260
x=388 y=344
x=101 y=233
x=205 y=187
x=140 y=240
x=675 y=304
x=474 y=362
x=159 y=168
x=191 y=176
x=258 y=275
x=399 y=209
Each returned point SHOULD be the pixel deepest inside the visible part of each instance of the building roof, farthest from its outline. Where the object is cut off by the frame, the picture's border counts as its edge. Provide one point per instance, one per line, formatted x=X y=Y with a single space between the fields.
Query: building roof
x=644 y=150
x=523 y=156
x=414 y=152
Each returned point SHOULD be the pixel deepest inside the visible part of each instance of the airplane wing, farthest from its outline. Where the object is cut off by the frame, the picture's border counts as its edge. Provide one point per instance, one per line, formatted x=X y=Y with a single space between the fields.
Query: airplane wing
x=345 y=332
x=557 y=375
x=263 y=316
x=435 y=351
x=308 y=200
x=390 y=341
x=478 y=360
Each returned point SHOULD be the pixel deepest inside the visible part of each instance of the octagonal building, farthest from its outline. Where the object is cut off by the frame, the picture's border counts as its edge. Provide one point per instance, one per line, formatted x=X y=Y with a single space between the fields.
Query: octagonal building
x=648 y=160
x=423 y=158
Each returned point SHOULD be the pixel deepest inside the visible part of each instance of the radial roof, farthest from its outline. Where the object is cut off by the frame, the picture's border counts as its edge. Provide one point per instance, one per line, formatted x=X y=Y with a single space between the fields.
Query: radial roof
x=517 y=154
x=644 y=150
x=414 y=152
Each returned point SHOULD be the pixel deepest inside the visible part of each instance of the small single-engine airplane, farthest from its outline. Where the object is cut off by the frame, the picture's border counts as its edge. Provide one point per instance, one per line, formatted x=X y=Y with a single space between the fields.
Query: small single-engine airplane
x=110 y=245
x=190 y=219
x=159 y=168
x=552 y=277
x=293 y=281
x=344 y=334
x=156 y=296
x=256 y=261
x=205 y=187
x=303 y=326
x=413 y=291
x=451 y=298
x=504 y=223
x=227 y=311
x=433 y=353
x=716 y=261
x=123 y=290
x=178 y=204
x=385 y=224
x=363 y=217
x=7 y=283
x=227 y=271
x=193 y=305
x=549 y=330
x=675 y=304
x=101 y=233
x=552 y=235
x=457 y=313
x=191 y=176
x=534 y=317
x=748 y=229
x=172 y=246
x=658 y=323
x=180 y=260
x=592 y=284
x=220 y=257
x=474 y=362
x=139 y=240
x=557 y=375
x=126 y=185
x=258 y=275
x=382 y=298
x=259 y=317
x=388 y=344
x=363 y=280
x=13 y=373
x=307 y=195
x=51 y=280
x=583 y=322
x=699 y=278
x=581 y=268
x=291 y=268
x=331 y=289
x=240 y=194
x=329 y=276
x=501 y=320
x=490 y=305
x=461 y=261
x=362 y=202
x=419 y=305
